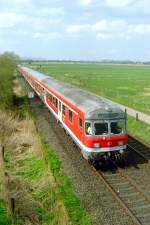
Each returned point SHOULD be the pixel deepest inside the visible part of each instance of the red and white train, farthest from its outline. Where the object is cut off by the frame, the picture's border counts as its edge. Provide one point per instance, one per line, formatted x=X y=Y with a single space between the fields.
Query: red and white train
x=95 y=124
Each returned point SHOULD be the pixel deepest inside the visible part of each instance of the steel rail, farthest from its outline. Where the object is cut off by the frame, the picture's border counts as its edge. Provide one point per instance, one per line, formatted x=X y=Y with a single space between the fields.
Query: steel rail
x=139 y=143
x=117 y=198
x=138 y=140
x=147 y=197
x=139 y=153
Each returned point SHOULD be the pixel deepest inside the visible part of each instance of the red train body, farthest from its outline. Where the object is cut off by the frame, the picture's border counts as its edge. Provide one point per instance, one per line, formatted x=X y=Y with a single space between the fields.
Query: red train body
x=96 y=125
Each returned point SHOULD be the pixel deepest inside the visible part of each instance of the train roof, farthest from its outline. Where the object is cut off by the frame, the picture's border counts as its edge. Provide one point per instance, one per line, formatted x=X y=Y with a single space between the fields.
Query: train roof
x=95 y=107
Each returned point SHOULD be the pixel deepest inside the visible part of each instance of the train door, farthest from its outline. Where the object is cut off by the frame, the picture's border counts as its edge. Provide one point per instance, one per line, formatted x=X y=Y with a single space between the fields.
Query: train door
x=60 y=110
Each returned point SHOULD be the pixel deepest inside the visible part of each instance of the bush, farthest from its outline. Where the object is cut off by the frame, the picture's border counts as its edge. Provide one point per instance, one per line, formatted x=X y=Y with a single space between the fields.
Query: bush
x=7 y=67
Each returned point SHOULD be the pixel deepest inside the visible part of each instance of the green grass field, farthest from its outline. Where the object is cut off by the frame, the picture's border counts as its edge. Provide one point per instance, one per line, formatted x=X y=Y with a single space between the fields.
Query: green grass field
x=125 y=84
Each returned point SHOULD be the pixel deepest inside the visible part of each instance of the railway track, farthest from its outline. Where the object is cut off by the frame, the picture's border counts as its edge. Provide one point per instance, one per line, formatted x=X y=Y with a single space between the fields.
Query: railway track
x=126 y=191
x=131 y=198
x=139 y=147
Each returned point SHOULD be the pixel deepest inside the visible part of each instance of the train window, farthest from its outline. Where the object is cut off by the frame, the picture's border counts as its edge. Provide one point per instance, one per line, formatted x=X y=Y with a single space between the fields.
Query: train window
x=88 y=128
x=80 y=123
x=54 y=100
x=101 y=128
x=63 y=110
x=49 y=96
x=116 y=127
x=56 y=103
x=70 y=115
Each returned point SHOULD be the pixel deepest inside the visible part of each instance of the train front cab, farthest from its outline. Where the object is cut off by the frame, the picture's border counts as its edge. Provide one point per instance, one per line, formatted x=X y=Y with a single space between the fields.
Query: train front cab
x=105 y=138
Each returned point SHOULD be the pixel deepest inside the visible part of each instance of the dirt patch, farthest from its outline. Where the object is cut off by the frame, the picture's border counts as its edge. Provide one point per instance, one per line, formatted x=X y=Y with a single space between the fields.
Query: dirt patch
x=147 y=91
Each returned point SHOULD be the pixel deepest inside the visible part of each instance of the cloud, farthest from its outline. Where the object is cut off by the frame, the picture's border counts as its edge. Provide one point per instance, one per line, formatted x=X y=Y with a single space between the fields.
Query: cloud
x=106 y=25
x=141 y=29
x=46 y=36
x=119 y=3
x=100 y=26
x=10 y=19
x=41 y=23
x=52 y=11
x=106 y=29
x=104 y=36
x=86 y=2
x=76 y=28
x=15 y=4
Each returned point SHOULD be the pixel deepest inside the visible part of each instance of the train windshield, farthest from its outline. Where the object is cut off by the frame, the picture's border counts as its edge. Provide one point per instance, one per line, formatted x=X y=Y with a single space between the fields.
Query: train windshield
x=117 y=127
x=101 y=128
x=105 y=127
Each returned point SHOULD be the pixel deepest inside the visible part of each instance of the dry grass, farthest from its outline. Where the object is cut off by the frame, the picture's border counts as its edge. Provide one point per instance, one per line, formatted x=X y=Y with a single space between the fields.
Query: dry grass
x=17 y=89
x=25 y=140
x=8 y=124
x=22 y=144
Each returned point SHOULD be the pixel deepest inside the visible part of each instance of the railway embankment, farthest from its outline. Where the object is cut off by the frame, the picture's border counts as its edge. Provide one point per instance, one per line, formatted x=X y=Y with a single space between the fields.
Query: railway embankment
x=28 y=183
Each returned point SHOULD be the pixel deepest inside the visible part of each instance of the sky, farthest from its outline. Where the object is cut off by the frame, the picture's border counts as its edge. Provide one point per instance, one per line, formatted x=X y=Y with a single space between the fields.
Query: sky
x=76 y=29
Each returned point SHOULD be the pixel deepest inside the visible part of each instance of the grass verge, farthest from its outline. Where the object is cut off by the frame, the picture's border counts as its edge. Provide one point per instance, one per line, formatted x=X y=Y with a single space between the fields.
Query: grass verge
x=65 y=189
x=138 y=129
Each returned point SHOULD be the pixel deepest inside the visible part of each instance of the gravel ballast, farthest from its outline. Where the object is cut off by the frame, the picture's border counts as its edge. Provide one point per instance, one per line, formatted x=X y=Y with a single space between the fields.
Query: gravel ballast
x=93 y=194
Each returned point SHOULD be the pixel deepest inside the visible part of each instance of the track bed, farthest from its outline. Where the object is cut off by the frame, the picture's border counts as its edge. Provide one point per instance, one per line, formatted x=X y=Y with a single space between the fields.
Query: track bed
x=94 y=196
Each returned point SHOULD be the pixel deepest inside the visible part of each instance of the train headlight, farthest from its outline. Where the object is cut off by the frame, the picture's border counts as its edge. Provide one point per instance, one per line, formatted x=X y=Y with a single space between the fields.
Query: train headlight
x=120 y=143
x=96 y=145
x=109 y=143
